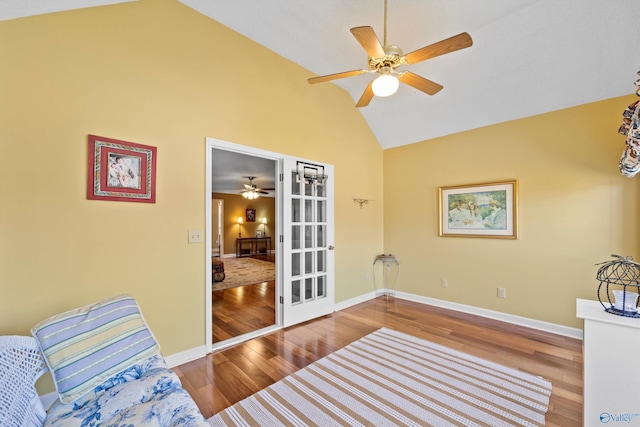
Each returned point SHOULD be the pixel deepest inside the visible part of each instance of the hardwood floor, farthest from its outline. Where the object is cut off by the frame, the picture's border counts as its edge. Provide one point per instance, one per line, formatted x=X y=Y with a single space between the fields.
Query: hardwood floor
x=243 y=309
x=225 y=377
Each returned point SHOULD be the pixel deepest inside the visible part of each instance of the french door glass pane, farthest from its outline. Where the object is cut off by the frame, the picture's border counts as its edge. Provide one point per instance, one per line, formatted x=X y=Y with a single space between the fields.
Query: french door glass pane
x=295 y=292
x=295 y=184
x=321 y=211
x=321 y=288
x=321 y=266
x=308 y=236
x=308 y=188
x=308 y=288
x=308 y=210
x=295 y=264
x=308 y=263
x=320 y=237
x=295 y=237
x=320 y=190
x=295 y=210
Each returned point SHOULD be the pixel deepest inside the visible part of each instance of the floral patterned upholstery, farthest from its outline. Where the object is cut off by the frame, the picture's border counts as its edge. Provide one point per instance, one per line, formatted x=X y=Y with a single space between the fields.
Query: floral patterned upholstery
x=146 y=394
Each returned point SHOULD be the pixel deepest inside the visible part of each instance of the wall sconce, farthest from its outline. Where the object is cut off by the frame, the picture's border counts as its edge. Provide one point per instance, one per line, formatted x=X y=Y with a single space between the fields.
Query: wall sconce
x=361 y=202
x=264 y=226
x=239 y=224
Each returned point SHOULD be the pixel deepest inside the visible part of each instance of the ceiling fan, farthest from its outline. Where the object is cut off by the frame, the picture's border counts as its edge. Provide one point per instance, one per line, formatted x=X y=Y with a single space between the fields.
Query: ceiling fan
x=385 y=59
x=251 y=192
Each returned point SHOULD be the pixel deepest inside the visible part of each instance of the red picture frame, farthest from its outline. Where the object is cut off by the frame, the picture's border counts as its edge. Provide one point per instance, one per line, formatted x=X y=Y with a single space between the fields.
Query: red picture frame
x=121 y=171
x=251 y=215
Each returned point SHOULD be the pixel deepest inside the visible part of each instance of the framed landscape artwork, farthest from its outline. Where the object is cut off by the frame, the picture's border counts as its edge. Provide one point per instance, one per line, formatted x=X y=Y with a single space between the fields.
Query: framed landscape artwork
x=479 y=210
x=121 y=171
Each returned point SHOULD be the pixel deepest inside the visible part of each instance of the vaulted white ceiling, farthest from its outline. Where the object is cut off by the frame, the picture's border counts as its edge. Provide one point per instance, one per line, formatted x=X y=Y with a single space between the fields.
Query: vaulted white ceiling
x=528 y=56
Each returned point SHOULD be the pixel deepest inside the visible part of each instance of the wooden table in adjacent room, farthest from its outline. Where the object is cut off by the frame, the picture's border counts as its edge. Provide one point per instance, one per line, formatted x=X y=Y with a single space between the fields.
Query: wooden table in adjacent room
x=252 y=246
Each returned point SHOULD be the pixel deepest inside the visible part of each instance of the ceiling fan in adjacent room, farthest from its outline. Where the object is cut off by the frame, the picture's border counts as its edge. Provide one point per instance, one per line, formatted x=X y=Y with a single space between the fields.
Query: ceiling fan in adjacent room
x=251 y=192
x=385 y=59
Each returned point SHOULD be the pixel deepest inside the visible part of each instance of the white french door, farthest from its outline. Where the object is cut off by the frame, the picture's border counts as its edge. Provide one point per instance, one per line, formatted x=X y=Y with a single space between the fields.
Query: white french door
x=307 y=255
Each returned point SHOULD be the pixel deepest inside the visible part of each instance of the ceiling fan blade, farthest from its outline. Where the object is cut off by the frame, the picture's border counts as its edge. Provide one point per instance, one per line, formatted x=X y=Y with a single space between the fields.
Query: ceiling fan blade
x=425 y=85
x=335 y=76
x=367 y=96
x=442 y=47
x=369 y=41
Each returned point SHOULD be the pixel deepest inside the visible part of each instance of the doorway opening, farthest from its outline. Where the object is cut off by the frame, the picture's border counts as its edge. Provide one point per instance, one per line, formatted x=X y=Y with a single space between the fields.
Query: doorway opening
x=243 y=252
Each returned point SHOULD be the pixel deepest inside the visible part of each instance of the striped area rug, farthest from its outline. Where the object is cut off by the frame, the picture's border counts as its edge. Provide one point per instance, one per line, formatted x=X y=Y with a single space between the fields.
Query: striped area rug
x=389 y=378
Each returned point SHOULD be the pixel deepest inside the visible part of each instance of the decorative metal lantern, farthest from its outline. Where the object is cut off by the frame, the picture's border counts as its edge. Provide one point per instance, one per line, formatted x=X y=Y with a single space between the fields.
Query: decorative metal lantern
x=622 y=277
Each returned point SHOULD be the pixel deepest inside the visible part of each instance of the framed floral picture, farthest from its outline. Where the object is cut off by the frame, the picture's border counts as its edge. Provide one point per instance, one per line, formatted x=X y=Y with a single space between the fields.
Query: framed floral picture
x=121 y=171
x=479 y=210
x=251 y=215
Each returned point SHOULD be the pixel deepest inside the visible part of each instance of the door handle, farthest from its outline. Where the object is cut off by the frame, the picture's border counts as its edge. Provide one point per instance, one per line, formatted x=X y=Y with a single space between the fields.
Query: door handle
x=330 y=247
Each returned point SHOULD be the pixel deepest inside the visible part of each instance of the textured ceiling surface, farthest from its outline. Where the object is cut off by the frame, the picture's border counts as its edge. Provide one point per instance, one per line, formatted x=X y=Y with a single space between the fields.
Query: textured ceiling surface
x=231 y=170
x=528 y=56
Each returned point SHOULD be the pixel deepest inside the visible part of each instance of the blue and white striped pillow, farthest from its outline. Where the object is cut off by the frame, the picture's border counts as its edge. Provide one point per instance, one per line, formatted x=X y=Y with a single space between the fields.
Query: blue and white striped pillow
x=87 y=346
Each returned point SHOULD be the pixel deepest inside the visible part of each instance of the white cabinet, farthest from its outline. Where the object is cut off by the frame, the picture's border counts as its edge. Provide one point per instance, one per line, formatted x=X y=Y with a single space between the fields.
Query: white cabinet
x=611 y=349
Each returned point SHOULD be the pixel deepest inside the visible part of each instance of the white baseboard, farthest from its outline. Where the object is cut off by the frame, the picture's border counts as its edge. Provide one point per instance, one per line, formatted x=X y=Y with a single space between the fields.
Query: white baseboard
x=186 y=356
x=354 y=301
x=496 y=315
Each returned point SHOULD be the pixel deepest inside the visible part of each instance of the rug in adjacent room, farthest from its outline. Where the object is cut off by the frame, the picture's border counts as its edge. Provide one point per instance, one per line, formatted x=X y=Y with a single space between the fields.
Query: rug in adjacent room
x=389 y=378
x=245 y=271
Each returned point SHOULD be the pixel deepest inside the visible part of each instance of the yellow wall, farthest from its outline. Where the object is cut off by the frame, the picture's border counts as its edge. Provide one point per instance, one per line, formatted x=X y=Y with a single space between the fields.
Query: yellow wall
x=575 y=209
x=236 y=206
x=158 y=73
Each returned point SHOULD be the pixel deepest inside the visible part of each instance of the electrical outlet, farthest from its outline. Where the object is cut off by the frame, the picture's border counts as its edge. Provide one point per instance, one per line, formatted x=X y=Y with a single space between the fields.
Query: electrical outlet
x=502 y=292
x=444 y=283
x=195 y=236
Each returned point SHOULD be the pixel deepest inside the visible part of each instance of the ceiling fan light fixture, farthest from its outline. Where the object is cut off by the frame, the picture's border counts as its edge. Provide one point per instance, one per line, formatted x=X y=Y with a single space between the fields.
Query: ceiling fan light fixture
x=385 y=85
x=251 y=195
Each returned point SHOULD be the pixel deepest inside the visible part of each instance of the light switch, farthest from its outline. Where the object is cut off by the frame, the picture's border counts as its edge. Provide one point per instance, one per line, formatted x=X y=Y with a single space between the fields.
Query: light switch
x=195 y=236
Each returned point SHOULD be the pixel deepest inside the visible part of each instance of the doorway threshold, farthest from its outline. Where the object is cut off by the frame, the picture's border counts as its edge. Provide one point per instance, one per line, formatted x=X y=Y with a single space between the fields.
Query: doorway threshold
x=230 y=342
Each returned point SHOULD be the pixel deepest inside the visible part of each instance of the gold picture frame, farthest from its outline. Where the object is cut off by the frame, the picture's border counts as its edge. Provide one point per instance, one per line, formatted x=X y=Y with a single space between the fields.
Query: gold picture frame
x=479 y=210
